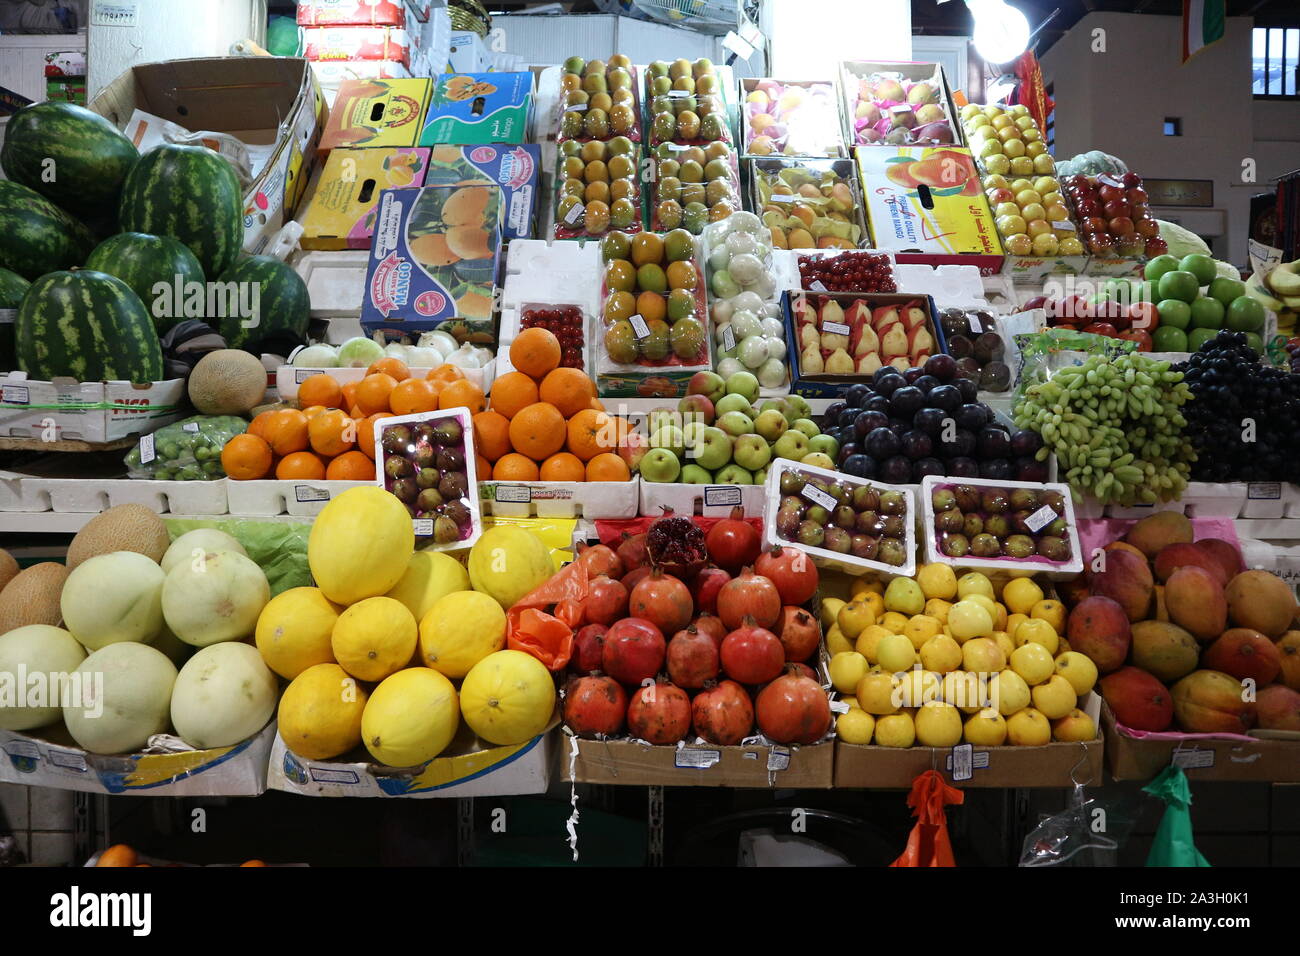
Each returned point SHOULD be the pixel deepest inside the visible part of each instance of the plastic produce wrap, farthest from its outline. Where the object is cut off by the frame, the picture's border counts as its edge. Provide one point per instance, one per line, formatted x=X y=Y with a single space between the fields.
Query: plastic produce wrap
x=1060 y=838
x=889 y=107
x=599 y=100
x=1043 y=353
x=598 y=188
x=748 y=328
x=794 y=119
x=810 y=203
x=188 y=450
x=278 y=548
x=693 y=186
x=685 y=104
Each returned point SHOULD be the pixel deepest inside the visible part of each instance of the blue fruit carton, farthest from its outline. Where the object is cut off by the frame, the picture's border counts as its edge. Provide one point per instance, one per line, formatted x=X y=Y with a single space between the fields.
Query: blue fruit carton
x=433 y=259
x=468 y=108
x=512 y=169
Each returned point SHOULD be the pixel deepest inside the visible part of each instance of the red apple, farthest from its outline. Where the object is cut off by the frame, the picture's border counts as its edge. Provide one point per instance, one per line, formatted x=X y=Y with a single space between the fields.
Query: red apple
x=1037 y=302
x=1110 y=193
x=1132 y=179
x=1121 y=226
x=1137 y=194
x=1102 y=328
x=1094 y=224
x=1143 y=315
x=1116 y=208
x=1143 y=339
x=1156 y=247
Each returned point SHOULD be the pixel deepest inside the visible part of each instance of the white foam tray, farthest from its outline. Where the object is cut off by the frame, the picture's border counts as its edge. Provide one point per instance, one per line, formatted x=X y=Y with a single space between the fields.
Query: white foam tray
x=561 y=499
x=336 y=280
x=714 y=501
x=271 y=496
x=560 y=272
x=81 y=496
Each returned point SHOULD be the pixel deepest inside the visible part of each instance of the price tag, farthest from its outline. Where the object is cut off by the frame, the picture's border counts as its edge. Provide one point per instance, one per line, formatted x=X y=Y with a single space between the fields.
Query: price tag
x=191 y=427
x=817 y=285
x=1264 y=490
x=574 y=214
x=8 y=316
x=514 y=494
x=423 y=526
x=836 y=328
x=973 y=321
x=728 y=339
x=696 y=759
x=1105 y=179
x=840 y=706
x=1040 y=519
x=578 y=107
x=963 y=762
x=113 y=14
x=15 y=395
x=147 y=454
x=819 y=497
x=639 y=327
x=310 y=493
x=1192 y=758
x=900 y=108
x=722 y=496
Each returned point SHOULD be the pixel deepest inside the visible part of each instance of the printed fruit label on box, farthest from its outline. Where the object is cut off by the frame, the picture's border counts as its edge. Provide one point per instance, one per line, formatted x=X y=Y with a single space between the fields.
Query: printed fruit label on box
x=479 y=108
x=433 y=257
x=514 y=169
x=343 y=210
x=315 y=13
x=357 y=43
x=376 y=112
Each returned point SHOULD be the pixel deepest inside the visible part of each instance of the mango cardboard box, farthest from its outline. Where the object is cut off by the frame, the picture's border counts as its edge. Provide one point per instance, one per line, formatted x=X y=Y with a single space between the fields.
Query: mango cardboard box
x=238 y=771
x=630 y=763
x=432 y=258
x=469 y=108
x=270 y=103
x=377 y=112
x=925 y=204
x=515 y=170
x=341 y=212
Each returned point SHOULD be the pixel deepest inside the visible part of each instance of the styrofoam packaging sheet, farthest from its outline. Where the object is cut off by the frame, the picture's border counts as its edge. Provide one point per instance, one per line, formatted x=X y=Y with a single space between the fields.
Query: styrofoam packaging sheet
x=560 y=272
x=712 y=501
x=822 y=556
x=561 y=499
x=271 y=496
x=18 y=494
x=289 y=377
x=91 y=496
x=1057 y=570
x=951 y=286
x=336 y=281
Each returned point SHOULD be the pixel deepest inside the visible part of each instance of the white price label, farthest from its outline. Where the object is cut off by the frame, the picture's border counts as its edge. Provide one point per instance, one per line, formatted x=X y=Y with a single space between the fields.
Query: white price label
x=836 y=328
x=1040 y=519
x=310 y=493
x=901 y=108
x=147 y=453
x=8 y=316
x=15 y=395
x=974 y=323
x=728 y=339
x=423 y=526
x=191 y=427
x=696 y=759
x=817 y=285
x=722 y=496
x=113 y=14
x=1064 y=225
x=514 y=494
x=577 y=107
x=1264 y=490
x=574 y=214
x=1107 y=180
x=962 y=762
x=1187 y=759
x=819 y=497
x=639 y=327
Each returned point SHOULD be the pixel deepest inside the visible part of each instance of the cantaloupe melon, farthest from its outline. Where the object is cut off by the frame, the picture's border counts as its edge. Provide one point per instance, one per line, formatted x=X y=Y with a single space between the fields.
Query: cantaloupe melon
x=193 y=544
x=320 y=712
x=127 y=691
x=294 y=629
x=113 y=597
x=223 y=694
x=33 y=662
x=429 y=576
x=123 y=528
x=507 y=562
x=360 y=545
x=8 y=568
x=410 y=718
x=32 y=597
x=227 y=382
x=216 y=599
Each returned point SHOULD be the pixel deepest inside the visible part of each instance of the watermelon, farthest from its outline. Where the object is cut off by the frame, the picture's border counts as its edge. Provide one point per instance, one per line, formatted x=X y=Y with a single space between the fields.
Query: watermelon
x=86 y=325
x=142 y=261
x=37 y=236
x=12 y=288
x=284 y=306
x=69 y=155
x=189 y=193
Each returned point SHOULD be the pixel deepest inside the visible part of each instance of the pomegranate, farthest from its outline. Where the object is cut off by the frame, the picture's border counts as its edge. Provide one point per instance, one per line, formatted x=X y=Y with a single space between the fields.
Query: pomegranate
x=634 y=577
x=631 y=551
x=723 y=713
x=803 y=670
x=733 y=542
x=692 y=658
x=791 y=570
x=659 y=713
x=663 y=600
x=594 y=706
x=793 y=710
x=606 y=601
x=752 y=654
x=676 y=545
x=588 y=648
x=599 y=559
x=799 y=633
x=706 y=586
x=750 y=595
x=633 y=652
x=711 y=625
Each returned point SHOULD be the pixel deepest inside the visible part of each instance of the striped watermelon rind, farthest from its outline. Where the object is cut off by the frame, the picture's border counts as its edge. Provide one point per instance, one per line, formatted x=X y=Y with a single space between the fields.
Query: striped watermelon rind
x=37 y=236
x=12 y=288
x=284 y=303
x=189 y=193
x=69 y=155
x=88 y=326
x=142 y=261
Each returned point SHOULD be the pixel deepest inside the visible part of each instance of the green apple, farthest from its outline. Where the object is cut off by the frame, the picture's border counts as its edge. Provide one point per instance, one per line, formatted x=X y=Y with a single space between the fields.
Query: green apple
x=1198 y=337
x=1225 y=289
x=1199 y=265
x=713 y=450
x=760 y=476
x=800 y=405
x=1254 y=341
x=1179 y=284
x=1245 y=314
x=1174 y=313
x=752 y=452
x=735 y=424
x=669 y=437
x=1207 y=313
x=734 y=403
x=733 y=474
x=660 y=417
x=807 y=426
x=819 y=460
x=793 y=445
x=695 y=475
x=825 y=445
x=1159 y=266
x=743 y=383
x=771 y=424
x=660 y=465
x=692 y=434
x=1168 y=338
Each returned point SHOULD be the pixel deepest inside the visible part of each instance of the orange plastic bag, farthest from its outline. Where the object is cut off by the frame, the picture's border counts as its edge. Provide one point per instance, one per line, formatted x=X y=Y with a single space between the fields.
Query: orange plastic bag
x=928 y=845
x=549 y=636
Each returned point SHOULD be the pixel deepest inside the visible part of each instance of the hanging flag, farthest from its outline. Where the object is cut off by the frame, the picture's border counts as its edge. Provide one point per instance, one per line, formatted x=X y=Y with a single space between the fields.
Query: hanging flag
x=1203 y=22
x=1030 y=91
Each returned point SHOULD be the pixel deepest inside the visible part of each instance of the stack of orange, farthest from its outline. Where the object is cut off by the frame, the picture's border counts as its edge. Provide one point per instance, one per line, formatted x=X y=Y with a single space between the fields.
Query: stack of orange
x=545 y=422
x=332 y=434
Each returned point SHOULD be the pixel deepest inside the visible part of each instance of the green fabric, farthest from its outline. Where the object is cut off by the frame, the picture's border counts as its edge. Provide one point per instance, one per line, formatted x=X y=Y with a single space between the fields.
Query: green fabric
x=278 y=547
x=1173 y=845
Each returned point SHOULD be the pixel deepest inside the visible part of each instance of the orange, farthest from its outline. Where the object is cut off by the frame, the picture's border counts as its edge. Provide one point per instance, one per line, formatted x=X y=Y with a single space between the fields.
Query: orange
x=597 y=404
x=538 y=431
x=252 y=863
x=563 y=467
x=258 y=425
x=514 y=467
x=608 y=467
x=311 y=411
x=246 y=457
x=373 y=392
x=535 y=352
x=286 y=431
x=568 y=389
x=413 y=395
x=492 y=435
x=349 y=395
x=351 y=466
x=463 y=394
x=652 y=306
x=366 y=432
x=591 y=432
x=332 y=433
x=512 y=392
x=320 y=390
x=393 y=367
x=301 y=464
x=482 y=468
x=444 y=375
x=118 y=855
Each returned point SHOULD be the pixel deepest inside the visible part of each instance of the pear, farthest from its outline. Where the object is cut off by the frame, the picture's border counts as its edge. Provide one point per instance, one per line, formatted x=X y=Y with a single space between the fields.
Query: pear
x=835 y=341
x=810 y=361
x=840 y=363
x=868 y=343
x=868 y=364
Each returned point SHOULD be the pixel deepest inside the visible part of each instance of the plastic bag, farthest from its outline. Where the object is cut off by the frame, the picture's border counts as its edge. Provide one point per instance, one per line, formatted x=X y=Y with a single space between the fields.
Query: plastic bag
x=928 y=844
x=1173 y=845
x=1044 y=353
x=188 y=450
x=549 y=637
x=1060 y=837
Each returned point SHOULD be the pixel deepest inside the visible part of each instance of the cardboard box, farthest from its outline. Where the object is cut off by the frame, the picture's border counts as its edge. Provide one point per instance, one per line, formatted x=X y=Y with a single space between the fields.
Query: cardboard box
x=1115 y=266
x=472 y=769
x=1030 y=268
x=415 y=281
x=470 y=108
x=914 y=212
x=634 y=764
x=85 y=411
x=238 y=771
x=1201 y=757
x=341 y=212
x=377 y=112
x=516 y=170
x=851 y=71
x=379 y=13
x=469 y=54
x=272 y=103
x=357 y=43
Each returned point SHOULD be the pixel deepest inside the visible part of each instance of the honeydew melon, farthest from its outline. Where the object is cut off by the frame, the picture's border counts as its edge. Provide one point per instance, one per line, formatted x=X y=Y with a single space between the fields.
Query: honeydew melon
x=126 y=696
x=214 y=599
x=223 y=694
x=112 y=598
x=193 y=544
x=26 y=652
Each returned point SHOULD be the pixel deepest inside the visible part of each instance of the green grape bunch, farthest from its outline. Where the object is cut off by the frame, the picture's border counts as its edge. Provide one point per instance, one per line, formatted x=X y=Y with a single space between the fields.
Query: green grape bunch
x=1115 y=426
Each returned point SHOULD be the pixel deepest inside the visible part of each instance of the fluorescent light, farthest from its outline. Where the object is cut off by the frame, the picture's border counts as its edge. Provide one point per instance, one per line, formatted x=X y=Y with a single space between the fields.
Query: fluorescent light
x=1001 y=31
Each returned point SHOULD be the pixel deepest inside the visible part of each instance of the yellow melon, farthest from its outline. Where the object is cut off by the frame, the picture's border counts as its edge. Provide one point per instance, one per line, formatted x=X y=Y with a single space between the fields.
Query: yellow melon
x=374 y=638
x=460 y=630
x=360 y=545
x=429 y=576
x=507 y=562
x=508 y=697
x=293 y=631
x=320 y=712
x=410 y=718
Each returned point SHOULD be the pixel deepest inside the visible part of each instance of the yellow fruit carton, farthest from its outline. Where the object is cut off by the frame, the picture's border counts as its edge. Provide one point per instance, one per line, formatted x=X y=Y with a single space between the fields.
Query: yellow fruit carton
x=925 y=205
x=377 y=112
x=342 y=214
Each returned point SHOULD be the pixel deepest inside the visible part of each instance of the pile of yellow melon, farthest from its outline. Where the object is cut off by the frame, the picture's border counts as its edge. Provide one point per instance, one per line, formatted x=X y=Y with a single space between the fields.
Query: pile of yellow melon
x=394 y=647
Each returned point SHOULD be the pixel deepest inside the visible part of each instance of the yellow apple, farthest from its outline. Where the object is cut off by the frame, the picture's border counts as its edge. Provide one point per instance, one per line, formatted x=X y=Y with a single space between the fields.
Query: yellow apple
x=938 y=725
x=851 y=700
x=1074 y=726
x=896 y=653
x=830 y=611
x=1037 y=631
x=1054 y=697
x=1078 y=669
x=917 y=687
x=982 y=655
x=893 y=622
x=921 y=628
x=1008 y=692
x=985 y=602
x=867 y=584
x=1014 y=621
x=855 y=616
x=964 y=690
x=855 y=727
x=968 y=619
x=1005 y=642
x=1053 y=612
x=1033 y=663
x=904 y=596
x=847 y=668
x=941 y=654
x=986 y=728
x=1028 y=728
x=937 y=581
x=938 y=608
x=974 y=583
x=1021 y=595
x=868 y=642
x=875 y=694
x=836 y=642
x=896 y=730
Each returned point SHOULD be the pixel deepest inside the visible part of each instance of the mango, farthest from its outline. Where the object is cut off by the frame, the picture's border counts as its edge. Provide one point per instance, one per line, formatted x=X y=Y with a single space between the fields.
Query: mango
x=1100 y=629
x=1243 y=653
x=1137 y=699
x=1126 y=579
x=1226 y=554
x=1175 y=556
x=1154 y=532
x=1196 y=603
x=1278 y=708
x=1288 y=647
x=1261 y=601
x=1164 y=649
x=1207 y=702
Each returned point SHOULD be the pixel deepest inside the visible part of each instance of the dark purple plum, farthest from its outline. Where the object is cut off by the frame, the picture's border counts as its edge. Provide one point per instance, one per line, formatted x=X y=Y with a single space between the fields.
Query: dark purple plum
x=867 y=422
x=1025 y=443
x=888 y=385
x=859 y=466
x=997 y=469
x=946 y=397
x=855 y=395
x=881 y=443
x=1027 y=469
x=906 y=401
x=994 y=443
x=963 y=467
x=846 y=417
x=876 y=403
x=969 y=390
x=924 y=467
x=930 y=420
x=916 y=444
x=943 y=367
x=910 y=375
x=833 y=410
x=927 y=383
x=896 y=470
x=972 y=415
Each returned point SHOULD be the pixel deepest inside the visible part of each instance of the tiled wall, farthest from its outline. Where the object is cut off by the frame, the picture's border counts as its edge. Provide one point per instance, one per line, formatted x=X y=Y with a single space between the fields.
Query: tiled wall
x=41 y=819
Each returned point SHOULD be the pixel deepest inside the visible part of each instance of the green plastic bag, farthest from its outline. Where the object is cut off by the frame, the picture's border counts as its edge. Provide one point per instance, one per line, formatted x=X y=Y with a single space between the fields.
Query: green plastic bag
x=1173 y=844
x=279 y=548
